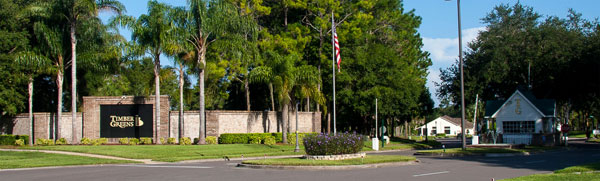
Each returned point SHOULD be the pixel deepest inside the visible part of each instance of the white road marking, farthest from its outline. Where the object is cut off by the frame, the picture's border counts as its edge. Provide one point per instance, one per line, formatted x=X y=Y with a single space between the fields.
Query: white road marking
x=162 y=166
x=434 y=173
x=539 y=161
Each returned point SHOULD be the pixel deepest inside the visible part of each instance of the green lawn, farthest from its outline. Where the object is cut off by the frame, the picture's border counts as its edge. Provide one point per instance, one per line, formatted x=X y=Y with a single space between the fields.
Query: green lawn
x=370 y=159
x=400 y=144
x=173 y=153
x=476 y=151
x=14 y=159
x=575 y=173
x=595 y=140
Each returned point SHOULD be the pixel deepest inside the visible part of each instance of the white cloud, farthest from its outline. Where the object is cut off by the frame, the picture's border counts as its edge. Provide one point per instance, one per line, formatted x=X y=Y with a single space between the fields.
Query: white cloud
x=444 y=52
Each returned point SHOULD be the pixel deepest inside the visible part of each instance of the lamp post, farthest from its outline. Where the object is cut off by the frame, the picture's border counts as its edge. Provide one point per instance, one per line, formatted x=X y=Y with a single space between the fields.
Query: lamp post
x=462 y=85
x=297 y=145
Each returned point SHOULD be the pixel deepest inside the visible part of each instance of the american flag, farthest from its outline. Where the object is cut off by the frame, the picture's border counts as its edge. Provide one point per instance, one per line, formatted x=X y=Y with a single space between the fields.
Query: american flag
x=338 y=59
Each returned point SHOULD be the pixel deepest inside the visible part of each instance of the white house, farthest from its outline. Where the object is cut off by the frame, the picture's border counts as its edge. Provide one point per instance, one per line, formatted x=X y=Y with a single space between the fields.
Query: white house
x=445 y=125
x=521 y=116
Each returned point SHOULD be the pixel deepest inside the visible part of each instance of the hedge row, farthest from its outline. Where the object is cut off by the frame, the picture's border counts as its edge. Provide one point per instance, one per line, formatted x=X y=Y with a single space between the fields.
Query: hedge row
x=10 y=139
x=258 y=138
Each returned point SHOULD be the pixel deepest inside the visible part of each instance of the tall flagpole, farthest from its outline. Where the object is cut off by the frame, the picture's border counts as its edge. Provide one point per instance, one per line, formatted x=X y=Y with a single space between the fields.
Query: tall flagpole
x=333 y=67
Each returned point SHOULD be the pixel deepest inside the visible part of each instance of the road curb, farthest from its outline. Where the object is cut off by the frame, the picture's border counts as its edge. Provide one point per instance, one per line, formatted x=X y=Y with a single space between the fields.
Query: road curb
x=346 y=167
x=473 y=154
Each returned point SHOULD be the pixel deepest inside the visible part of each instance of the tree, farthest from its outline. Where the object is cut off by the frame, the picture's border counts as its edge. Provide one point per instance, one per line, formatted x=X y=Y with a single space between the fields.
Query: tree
x=32 y=63
x=152 y=32
x=76 y=12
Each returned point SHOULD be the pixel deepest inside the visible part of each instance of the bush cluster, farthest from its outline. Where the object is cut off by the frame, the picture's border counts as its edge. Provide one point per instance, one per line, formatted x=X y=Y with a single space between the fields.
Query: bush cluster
x=269 y=140
x=324 y=144
x=171 y=141
x=61 y=141
x=185 y=141
x=10 y=139
x=95 y=142
x=146 y=141
x=124 y=141
x=20 y=142
x=134 y=141
x=44 y=142
x=211 y=140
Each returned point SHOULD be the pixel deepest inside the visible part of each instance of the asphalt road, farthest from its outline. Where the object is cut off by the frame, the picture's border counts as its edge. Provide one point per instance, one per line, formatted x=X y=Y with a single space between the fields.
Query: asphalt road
x=430 y=168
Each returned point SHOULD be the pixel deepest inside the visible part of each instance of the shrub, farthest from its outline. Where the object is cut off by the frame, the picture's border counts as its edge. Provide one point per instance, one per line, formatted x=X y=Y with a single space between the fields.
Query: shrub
x=163 y=141
x=86 y=141
x=25 y=138
x=61 y=141
x=7 y=139
x=100 y=141
x=342 y=143
x=269 y=140
x=185 y=141
x=441 y=135
x=134 y=141
x=254 y=139
x=171 y=141
x=19 y=142
x=196 y=141
x=44 y=142
x=124 y=141
x=146 y=141
x=211 y=140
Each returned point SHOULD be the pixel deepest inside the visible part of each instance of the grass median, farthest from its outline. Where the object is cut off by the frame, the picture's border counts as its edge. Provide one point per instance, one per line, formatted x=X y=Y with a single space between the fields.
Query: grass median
x=18 y=159
x=370 y=159
x=587 y=172
x=401 y=144
x=174 y=153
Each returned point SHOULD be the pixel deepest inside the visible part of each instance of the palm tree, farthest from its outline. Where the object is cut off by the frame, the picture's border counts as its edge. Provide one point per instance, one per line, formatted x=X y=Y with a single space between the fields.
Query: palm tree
x=288 y=79
x=32 y=63
x=152 y=32
x=75 y=12
x=204 y=22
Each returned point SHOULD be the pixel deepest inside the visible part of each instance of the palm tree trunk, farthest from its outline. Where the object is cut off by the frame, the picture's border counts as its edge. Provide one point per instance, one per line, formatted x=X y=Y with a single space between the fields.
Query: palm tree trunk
x=157 y=96
x=247 y=89
x=73 y=84
x=30 y=91
x=59 y=85
x=181 y=74
x=285 y=116
x=201 y=61
x=272 y=99
x=308 y=104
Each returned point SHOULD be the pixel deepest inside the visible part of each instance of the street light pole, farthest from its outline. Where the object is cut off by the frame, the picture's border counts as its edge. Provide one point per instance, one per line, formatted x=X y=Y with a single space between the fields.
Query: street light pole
x=462 y=80
x=297 y=145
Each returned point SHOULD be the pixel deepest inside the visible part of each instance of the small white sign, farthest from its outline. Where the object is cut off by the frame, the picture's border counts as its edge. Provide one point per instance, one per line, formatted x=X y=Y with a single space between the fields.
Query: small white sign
x=375 y=144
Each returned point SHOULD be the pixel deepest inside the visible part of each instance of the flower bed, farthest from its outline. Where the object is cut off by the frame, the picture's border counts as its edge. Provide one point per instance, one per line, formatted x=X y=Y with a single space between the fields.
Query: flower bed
x=324 y=144
x=335 y=157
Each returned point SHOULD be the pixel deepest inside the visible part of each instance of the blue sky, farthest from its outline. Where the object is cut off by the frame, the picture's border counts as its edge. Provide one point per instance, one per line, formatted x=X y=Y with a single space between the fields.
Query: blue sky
x=439 y=23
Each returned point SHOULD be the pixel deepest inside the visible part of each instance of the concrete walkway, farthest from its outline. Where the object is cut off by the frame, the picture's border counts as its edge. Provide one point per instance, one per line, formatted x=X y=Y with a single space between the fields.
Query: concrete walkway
x=145 y=161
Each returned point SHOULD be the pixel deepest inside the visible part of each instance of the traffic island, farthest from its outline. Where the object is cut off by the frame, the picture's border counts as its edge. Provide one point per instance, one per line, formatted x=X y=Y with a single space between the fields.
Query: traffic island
x=332 y=163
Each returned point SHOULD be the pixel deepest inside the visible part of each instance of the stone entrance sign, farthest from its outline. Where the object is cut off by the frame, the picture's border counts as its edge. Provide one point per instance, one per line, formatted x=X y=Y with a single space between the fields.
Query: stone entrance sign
x=126 y=121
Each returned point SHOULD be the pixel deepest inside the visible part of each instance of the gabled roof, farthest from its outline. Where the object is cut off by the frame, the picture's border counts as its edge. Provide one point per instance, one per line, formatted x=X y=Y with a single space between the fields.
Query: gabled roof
x=544 y=106
x=456 y=121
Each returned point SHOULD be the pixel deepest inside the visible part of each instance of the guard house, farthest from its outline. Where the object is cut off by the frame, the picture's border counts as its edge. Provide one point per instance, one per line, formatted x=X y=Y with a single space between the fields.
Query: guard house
x=523 y=119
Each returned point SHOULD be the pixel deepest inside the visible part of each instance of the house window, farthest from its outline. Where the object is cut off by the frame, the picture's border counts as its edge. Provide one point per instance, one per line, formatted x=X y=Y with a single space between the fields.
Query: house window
x=518 y=126
x=447 y=129
x=433 y=130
